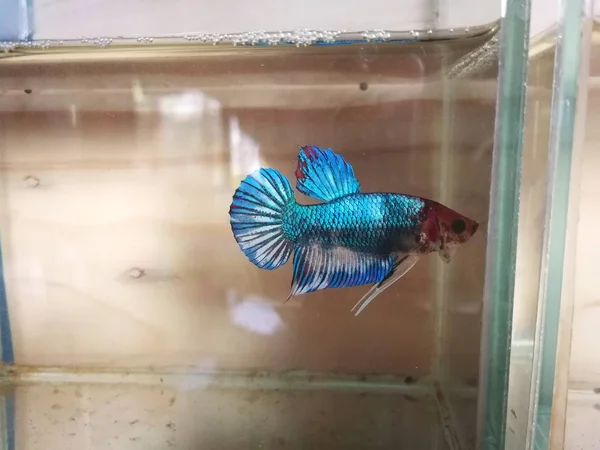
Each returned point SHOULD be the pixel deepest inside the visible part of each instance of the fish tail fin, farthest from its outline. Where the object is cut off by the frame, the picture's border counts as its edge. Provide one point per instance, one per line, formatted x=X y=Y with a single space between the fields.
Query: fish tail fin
x=257 y=218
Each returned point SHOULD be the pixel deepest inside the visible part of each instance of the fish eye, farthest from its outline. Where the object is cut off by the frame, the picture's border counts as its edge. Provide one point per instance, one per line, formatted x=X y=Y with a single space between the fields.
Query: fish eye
x=458 y=226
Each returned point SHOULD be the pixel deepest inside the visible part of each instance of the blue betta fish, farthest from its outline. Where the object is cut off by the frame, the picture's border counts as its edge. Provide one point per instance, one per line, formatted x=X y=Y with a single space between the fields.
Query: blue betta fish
x=351 y=239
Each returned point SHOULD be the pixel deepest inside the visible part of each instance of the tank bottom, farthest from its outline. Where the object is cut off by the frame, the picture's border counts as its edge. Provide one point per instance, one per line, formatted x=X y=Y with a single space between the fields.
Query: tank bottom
x=178 y=410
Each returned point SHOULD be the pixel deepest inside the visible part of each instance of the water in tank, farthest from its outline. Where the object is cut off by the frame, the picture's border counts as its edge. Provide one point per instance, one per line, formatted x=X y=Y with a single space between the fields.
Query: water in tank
x=162 y=198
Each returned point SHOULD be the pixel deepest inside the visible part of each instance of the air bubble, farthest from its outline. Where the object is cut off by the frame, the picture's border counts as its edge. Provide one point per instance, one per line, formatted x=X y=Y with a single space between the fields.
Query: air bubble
x=376 y=35
x=101 y=42
x=9 y=46
x=298 y=38
x=98 y=42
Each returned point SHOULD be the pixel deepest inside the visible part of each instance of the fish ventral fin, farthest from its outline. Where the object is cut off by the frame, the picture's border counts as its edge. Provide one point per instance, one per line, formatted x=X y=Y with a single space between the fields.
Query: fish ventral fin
x=398 y=271
x=256 y=218
x=317 y=267
x=324 y=175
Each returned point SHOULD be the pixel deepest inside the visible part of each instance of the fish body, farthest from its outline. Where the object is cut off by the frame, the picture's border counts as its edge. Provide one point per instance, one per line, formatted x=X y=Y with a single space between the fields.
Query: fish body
x=351 y=238
x=374 y=223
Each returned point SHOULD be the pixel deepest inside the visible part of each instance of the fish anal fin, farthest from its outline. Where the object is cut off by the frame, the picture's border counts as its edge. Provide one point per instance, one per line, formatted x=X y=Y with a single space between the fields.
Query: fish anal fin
x=317 y=267
x=324 y=175
x=398 y=271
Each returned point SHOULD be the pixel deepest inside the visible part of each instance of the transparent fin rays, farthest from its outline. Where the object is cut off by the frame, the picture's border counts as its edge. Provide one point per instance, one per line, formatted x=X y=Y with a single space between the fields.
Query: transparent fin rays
x=403 y=266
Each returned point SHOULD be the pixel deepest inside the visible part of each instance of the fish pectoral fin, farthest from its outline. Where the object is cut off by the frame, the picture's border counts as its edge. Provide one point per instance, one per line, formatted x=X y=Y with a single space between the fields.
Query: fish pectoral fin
x=318 y=267
x=397 y=272
x=324 y=175
x=446 y=254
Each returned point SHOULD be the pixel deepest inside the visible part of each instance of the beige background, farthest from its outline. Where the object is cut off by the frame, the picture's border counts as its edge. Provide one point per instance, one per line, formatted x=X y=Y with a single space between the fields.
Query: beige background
x=136 y=166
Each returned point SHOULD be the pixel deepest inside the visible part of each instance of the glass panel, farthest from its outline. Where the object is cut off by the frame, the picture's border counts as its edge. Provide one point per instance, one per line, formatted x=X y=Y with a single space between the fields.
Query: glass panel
x=530 y=242
x=503 y=227
x=556 y=293
x=126 y=288
x=134 y=314
x=466 y=153
x=557 y=286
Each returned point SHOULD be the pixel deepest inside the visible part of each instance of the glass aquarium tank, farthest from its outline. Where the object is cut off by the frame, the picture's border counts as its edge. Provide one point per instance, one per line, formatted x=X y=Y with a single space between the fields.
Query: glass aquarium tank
x=131 y=318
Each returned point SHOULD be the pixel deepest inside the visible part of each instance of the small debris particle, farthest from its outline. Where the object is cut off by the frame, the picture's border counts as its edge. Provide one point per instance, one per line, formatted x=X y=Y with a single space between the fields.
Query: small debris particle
x=136 y=273
x=409 y=380
x=28 y=91
x=31 y=182
x=363 y=86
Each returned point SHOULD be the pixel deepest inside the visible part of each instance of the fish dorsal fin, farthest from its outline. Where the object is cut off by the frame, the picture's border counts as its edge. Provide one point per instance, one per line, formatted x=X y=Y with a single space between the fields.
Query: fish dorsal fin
x=318 y=267
x=324 y=175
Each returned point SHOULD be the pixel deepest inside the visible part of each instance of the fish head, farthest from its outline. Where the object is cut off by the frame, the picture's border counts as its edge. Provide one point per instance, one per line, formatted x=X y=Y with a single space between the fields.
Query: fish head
x=446 y=230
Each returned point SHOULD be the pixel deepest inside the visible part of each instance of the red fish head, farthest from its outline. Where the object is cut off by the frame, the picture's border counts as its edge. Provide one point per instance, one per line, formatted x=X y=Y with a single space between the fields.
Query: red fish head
x=445 y=229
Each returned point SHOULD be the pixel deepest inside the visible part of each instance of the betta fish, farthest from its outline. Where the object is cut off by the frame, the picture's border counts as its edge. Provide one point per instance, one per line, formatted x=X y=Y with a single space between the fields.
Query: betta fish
x=350 y=239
